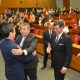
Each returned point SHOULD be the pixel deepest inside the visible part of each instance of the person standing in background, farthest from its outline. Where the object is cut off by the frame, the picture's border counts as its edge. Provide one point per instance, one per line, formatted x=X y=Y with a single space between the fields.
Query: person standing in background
x=28 y=42
x=62 y=51
x=47 y=35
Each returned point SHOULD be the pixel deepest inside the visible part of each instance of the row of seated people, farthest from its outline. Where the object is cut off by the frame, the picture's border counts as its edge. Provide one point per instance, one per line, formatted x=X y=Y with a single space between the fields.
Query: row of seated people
x=69 y=16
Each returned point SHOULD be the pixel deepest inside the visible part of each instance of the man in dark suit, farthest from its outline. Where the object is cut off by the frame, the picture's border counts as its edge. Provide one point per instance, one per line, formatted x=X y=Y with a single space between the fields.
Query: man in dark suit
x=62 y=51
x=28 y=42
x=47 y=35
x=13 y=64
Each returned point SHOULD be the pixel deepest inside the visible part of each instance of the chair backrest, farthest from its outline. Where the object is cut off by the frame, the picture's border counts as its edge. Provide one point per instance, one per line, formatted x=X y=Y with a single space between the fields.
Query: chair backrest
x=32 y=30
x=75 y=39
x=73 y=20
x=36 y=31
x=75 y=27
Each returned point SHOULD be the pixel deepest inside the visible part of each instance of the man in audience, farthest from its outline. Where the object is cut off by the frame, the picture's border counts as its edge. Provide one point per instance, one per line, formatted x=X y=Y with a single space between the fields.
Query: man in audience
x=28 y=43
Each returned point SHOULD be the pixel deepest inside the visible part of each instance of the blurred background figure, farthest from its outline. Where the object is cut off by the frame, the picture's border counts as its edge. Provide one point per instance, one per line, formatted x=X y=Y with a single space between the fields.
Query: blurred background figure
x=47 y=36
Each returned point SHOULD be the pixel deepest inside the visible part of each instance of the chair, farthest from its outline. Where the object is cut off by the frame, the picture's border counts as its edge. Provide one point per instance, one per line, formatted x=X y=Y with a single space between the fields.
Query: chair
x=72 y=21
x=75 y=39
x=75 y=27
x=32 y=30
x=37 y=31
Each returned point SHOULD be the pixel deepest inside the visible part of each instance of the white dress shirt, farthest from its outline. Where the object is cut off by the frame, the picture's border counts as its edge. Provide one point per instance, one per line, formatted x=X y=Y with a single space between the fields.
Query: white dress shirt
x=50 y=33
x=21 y=44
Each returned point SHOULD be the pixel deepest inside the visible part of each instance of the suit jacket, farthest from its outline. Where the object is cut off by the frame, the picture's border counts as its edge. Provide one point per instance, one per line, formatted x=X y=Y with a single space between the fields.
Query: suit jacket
x=62 y=51
x=46 y=38
x=29 y=44
x=13 y=64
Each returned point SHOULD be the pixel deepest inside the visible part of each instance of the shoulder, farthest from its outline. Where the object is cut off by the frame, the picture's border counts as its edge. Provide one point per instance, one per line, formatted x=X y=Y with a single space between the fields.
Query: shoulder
x=1 y=41
x=45 y=30
x=31 y=35
x=18 y=37
x=66 y=36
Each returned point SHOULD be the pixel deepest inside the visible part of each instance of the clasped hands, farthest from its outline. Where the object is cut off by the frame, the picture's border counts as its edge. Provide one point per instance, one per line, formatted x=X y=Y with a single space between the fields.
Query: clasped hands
x=19 y=51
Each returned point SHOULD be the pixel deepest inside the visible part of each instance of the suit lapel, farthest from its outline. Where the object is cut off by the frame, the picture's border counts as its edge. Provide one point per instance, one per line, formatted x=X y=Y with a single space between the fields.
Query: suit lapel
x=19 y=39
x=26 y=40
x=61 y=37
x=48 y=33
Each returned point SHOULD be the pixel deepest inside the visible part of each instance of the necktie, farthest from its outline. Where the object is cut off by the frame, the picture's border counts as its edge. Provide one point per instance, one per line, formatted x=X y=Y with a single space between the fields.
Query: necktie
x=50 y=33
x=22 y=41
x=56 y=40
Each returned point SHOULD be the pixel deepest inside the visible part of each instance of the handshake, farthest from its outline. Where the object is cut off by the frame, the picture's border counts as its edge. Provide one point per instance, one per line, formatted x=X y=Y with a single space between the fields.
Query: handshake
x=49 y=48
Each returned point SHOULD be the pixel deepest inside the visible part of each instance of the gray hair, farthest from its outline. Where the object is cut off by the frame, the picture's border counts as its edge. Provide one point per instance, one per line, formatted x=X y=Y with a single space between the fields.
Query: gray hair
x=25 y=24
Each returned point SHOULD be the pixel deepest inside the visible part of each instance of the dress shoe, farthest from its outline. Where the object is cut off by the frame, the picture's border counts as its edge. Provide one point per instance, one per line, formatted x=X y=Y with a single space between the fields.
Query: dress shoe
x=43 y=67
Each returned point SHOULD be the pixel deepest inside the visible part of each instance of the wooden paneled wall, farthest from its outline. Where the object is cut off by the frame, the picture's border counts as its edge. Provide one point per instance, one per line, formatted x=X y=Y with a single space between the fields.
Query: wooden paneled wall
x=2 y=7
x=66 y=3
x=29 y=3
x=46 y=3
x=0 y=2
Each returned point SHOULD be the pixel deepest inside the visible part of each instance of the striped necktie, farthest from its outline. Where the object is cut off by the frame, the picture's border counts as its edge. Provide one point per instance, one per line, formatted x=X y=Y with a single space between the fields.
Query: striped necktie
x=56 y=40
x=50 y=33
x=22 y=41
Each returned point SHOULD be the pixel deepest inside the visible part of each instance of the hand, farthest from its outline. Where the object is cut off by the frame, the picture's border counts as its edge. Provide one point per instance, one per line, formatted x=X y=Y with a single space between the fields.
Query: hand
x=49 y=45
x=63 y=70
x=78 y=55
x=17 y=51
x=34 y=53
x=49 y=48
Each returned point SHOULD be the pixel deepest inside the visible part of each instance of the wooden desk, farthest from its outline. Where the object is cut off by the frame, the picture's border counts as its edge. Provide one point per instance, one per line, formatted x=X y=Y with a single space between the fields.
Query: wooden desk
x=76 y=46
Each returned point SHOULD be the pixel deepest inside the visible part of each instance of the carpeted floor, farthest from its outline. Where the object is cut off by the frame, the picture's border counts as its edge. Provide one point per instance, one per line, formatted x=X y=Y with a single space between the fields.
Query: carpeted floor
x=46 y=74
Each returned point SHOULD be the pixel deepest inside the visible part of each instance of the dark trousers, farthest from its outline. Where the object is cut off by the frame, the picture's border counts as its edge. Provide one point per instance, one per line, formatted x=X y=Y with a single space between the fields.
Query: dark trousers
x=31 y=74
x=57 y=74
x=46 y=59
